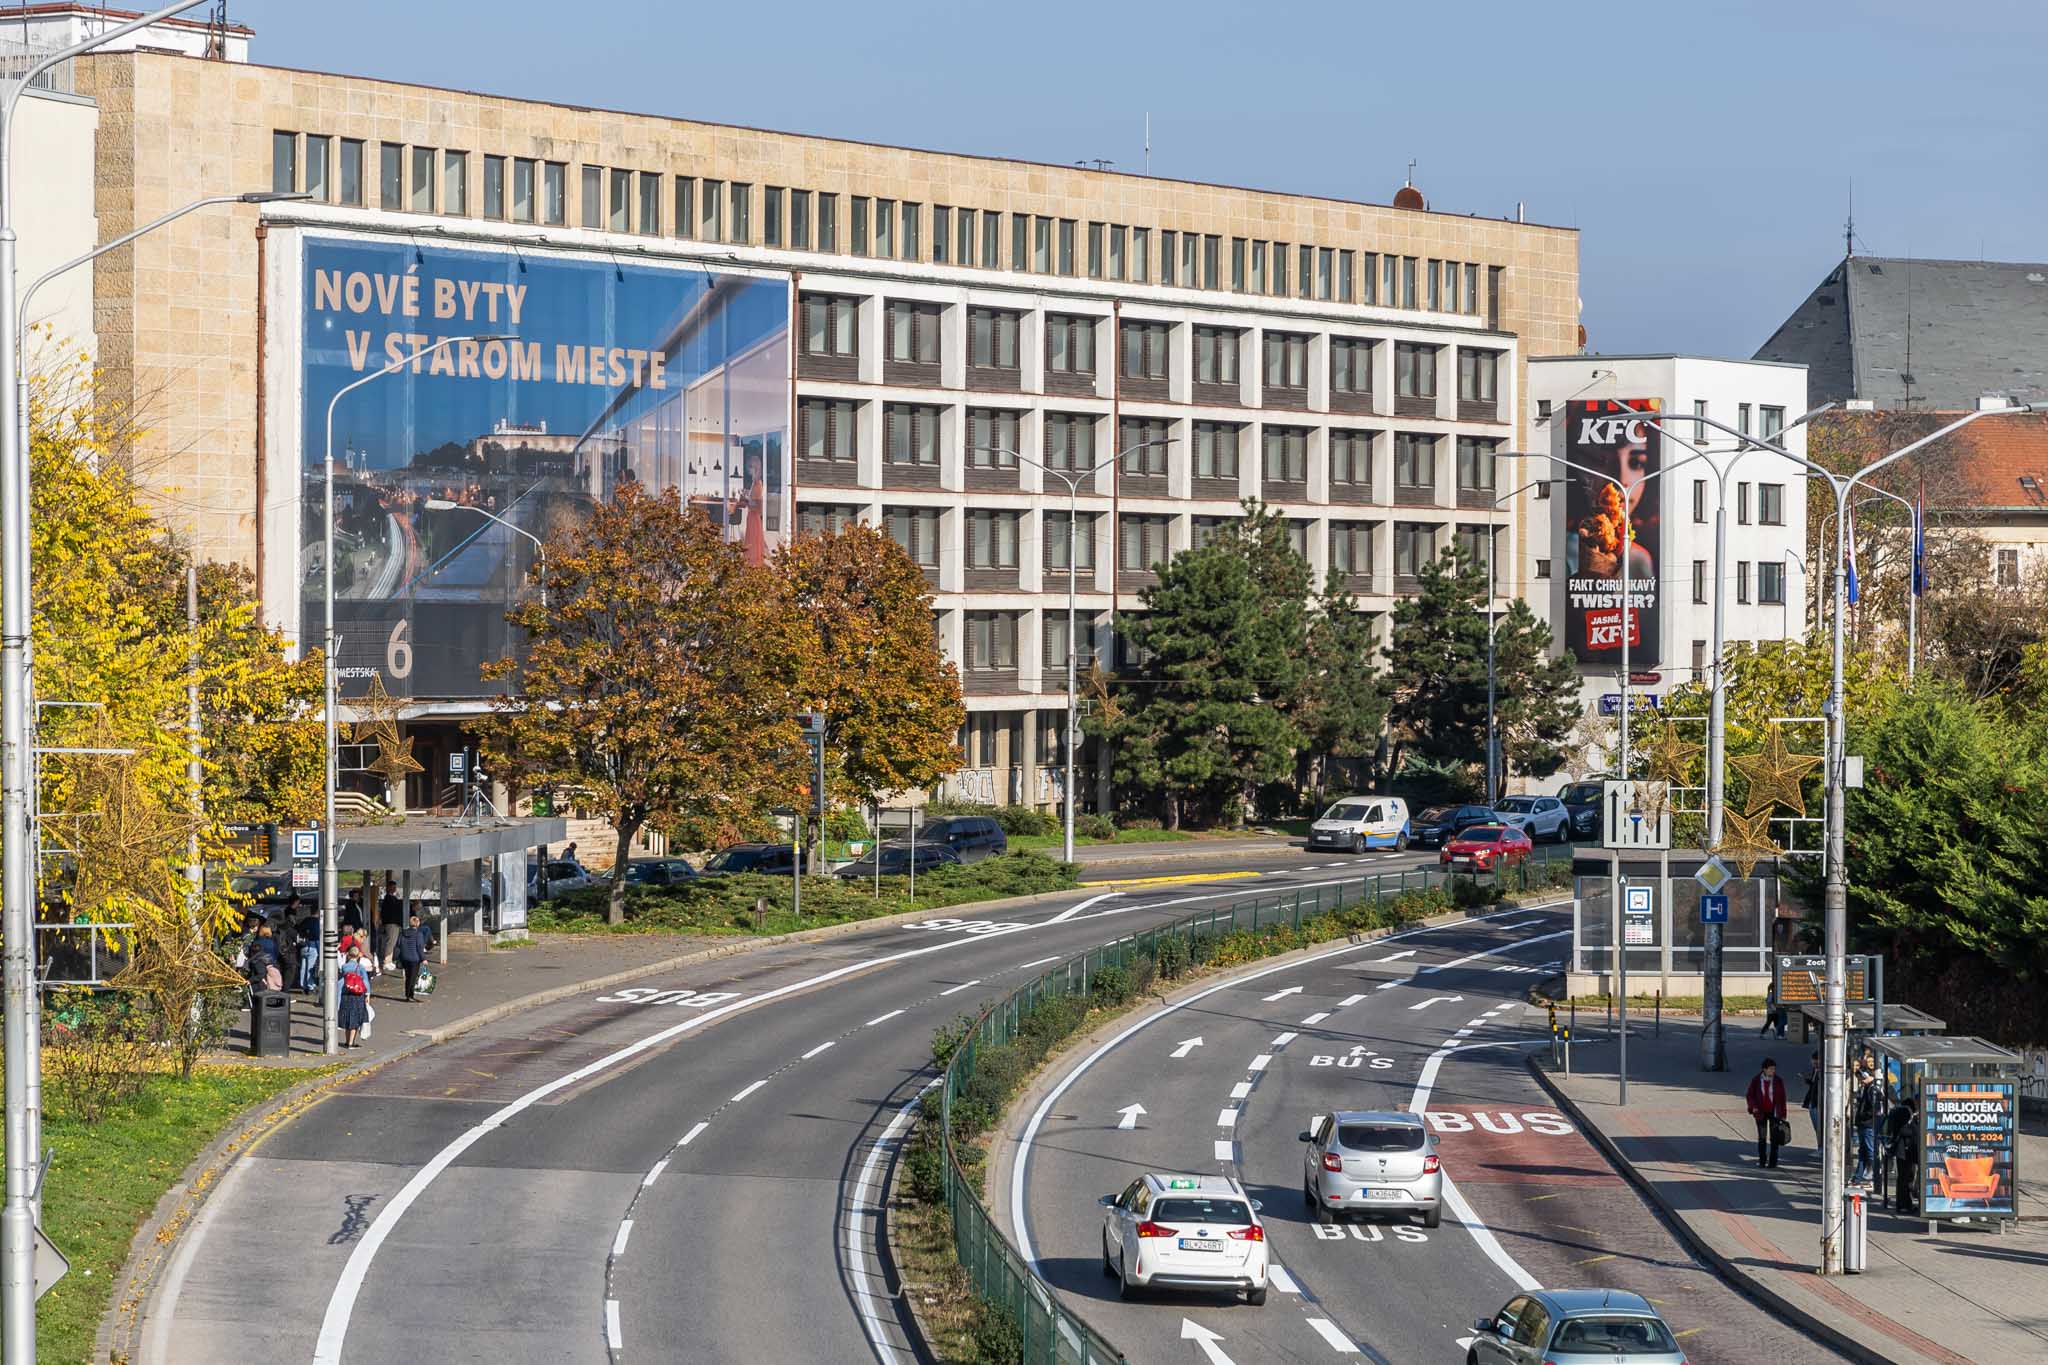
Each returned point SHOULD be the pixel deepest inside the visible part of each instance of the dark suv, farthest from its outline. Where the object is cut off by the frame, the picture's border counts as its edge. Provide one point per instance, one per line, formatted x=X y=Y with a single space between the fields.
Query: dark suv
x=771 y=860
x=971 y=837
x=1436 y=826
x=1582 y=802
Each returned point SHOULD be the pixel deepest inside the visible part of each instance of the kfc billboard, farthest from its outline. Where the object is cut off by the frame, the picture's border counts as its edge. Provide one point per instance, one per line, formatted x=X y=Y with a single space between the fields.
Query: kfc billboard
x=1617 y=506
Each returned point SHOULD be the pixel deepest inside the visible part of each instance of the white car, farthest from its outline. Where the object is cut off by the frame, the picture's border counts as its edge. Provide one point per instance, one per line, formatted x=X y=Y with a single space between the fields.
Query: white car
x=1358 y=823
x=1539 y=817
x=1184 y=1232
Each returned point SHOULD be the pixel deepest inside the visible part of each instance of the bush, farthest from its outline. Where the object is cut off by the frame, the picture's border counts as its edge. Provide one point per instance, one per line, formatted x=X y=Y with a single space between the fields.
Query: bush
x=1140 y=822
x=1023 y=820
x=1174 y=957
x=1094 y=827
x=998 y=1340
x=924 y=1164
x=1469 y=893
x=846 y=822
x=97 y=1055
x=935 y=809
x=946 y=1039
x=1111 y=985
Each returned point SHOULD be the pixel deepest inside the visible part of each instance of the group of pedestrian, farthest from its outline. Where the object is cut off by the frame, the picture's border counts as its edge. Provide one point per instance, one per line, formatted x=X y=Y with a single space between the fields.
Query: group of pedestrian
x=292 y=939
x=1880 y=1130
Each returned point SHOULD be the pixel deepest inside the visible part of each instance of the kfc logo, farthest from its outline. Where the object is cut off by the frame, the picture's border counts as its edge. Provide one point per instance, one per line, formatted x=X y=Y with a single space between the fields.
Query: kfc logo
x=1603 y=629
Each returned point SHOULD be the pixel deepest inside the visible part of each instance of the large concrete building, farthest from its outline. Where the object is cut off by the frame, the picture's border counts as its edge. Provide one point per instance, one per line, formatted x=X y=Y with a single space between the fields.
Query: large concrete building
x=1351 y=364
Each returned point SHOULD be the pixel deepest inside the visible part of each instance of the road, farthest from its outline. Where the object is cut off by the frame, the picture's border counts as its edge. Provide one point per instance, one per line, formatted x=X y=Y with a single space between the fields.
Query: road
x=1433 y=1022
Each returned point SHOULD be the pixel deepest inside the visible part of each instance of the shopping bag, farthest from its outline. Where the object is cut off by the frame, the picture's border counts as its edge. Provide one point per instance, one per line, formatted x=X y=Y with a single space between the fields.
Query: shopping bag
x=425 y=985
x=369 y=1019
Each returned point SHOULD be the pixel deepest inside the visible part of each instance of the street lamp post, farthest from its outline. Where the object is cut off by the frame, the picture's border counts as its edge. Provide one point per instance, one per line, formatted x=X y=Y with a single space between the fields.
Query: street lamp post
x=1912 y=595
x=540 y=549
x=1073 y=483
x=330 y=851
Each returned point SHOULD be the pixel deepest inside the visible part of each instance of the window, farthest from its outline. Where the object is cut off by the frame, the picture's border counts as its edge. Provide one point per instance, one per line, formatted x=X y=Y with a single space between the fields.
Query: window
x=740 y=227
x=1145 y=346
x=591 y=185
x=858 y=240
x=1390 y=274
x=1020 y=241
x=1478 y=373
x=1143 y=442
x=1141 y=254
x=992 y=338
x=1699 y=580
x=1407 y=281
x=421 y=199
x=1057 y=538
x=2006 y=571
x=1542 y=410
x=1770 y=582
x=912 y=242
x=1066 y=246
x=1699 y=501
x=1414 y=460
x=828 y=222
x=1414 y=368
x=1141 y=543
x=391 y=176
x=1351 y=547
x=1286 y=454
x=494 y=187
x=1742 y=504
x=1699 y=660
x=1368 y=277
x=522 y=191
x=1069 y=441
x=916 y=529
x=1203 y=530
x=1699 y=428
x=1350 y=365
x=554 y=193
x=799 y=219
x=1477 y=543
x=1351 y=460
x=1212 y=250
x=1215 y=452
x=830 y=325
x=284 y=163
x=1215 y=355
x=620 y=216
x=316 y=167
x=1055 y=631
x=1169 y=244
x=991 y=540
x=1041 y=244
x=1095 y=265
x=1297 y=538
x=1771 y=422
x=1434 y=286
x=885 y=227
x=913 y=332
x=911 y=435
x=1469 y=302
x=1543 y=568
x=1258 y=274
x=1742 y=418
x=991 y=240
x=686 y=206
x=1069 y=344
x=1286 y=361
x=1770 y=504
x=650 y=204
x=991 y=638
x=1237 y=264
x=825 y=519
x=1742 y=580
x=1116 y=252
x=991 y=438
x=455 y=183
x=942 y=234
x=829 y=430
x=351 y=172
x=1476 y=465
x=1308 y=260
x=1414 y=546
x=1326 y=266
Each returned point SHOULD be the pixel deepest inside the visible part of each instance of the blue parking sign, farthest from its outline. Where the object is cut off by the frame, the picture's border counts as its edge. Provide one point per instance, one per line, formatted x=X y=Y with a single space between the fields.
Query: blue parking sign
x=1713 y=909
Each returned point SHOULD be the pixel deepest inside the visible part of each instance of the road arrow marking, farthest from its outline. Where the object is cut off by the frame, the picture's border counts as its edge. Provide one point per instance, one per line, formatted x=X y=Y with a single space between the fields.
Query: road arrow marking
x=1396 y=957
x=1282 y=995
x=1425 y=1004
x=1186 y=1046
x=1130 y=1114
x=1190 y=1330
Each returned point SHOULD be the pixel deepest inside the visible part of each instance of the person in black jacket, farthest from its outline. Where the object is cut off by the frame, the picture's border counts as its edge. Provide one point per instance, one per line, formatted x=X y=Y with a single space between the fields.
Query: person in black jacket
x=413 y=942
x=1902 y=1128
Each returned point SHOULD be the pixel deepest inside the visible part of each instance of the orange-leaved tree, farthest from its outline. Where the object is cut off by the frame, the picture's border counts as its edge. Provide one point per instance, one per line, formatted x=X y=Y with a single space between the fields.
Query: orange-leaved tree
x=658 y=681
x=872 y=663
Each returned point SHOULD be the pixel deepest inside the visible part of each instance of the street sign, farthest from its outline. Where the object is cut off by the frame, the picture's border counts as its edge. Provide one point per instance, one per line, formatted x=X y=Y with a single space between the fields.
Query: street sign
x=50 y=1263
x=458 y=765
x=1801 y=978
x=1638 y=922
x=305 y=876
x=1713 y=875
x=1713 y=909
x=1610 y=702
x=305 y=845
x=1637 y=816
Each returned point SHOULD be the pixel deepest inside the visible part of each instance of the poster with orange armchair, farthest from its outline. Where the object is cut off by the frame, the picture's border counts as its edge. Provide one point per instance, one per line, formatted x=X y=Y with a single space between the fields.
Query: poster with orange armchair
x=1967 y=1146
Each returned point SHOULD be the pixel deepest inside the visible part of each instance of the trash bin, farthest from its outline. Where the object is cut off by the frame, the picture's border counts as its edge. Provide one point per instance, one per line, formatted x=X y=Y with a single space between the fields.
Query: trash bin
x=270 y=1024
x=1855 y=1231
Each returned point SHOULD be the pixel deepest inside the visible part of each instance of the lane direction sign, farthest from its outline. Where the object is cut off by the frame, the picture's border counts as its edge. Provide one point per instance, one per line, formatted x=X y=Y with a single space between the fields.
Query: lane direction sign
x=1186 y=1046
x=1130 y=1114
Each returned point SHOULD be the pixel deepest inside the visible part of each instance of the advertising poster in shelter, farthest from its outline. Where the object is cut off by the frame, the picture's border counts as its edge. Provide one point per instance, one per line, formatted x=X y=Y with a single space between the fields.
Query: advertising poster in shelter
x=1600 y=518
x=575 y=375
x=1966 y=1147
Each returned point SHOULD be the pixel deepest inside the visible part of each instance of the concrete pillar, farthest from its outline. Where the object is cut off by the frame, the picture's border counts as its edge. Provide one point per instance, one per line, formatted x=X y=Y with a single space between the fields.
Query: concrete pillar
x=1029 y=752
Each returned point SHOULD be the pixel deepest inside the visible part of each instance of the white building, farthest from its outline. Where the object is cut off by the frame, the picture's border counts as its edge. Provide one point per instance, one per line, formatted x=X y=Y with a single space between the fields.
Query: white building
x=1763 y=578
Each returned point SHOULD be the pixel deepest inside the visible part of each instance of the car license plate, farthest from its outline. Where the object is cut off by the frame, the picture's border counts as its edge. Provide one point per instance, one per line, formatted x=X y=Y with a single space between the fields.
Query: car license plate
x=1200 y=1244
x=1461 y=862
x=1386 y=1194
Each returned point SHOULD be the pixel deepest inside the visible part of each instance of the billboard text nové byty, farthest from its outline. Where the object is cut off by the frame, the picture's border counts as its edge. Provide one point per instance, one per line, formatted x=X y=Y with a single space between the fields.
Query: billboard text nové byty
x=1606 y=519
x=671 y=376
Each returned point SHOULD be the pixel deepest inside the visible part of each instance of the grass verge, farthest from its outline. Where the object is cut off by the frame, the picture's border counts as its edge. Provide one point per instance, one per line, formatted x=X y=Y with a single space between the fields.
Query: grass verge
x=1122 y=836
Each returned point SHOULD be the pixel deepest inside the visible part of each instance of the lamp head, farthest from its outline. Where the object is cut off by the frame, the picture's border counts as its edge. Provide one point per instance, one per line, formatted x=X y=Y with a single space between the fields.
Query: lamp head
x=273 y=196
x=440 y=505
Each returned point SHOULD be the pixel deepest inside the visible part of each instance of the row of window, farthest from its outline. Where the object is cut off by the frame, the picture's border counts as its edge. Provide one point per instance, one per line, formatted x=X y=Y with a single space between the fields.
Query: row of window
x=416 y=179
x=1770 y=582
x=1769 y=503
x=1769 y=420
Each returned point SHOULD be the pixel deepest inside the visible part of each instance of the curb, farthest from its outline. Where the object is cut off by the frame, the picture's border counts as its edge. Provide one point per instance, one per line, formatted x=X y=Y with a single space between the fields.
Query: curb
x=1731 y=1274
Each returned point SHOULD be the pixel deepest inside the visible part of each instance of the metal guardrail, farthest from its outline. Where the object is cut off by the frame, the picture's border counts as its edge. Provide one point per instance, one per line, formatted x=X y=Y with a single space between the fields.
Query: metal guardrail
x=1052 y=1333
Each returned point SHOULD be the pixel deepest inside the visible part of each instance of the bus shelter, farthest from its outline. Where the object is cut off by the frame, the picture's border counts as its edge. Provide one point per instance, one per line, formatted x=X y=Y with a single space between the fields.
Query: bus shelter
x=1968 y=1099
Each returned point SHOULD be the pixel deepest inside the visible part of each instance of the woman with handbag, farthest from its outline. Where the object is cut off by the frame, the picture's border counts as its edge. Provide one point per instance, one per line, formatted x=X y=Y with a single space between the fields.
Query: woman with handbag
x=1766 y=1099
x=354 y=1009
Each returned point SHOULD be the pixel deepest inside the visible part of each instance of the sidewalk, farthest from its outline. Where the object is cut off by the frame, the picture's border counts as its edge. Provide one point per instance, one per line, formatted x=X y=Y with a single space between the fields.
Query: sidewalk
x=1966 y=1295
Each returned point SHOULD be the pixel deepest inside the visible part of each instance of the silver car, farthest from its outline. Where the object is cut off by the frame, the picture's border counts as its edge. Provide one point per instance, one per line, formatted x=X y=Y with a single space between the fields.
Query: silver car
x=1372 y=1162
x=1574 y=1327
x=1539 y=817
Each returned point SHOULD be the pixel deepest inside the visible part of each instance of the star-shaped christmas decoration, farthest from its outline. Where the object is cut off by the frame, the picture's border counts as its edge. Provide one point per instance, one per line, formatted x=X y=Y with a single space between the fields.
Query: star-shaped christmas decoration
x=379 y=726
x=1669 y=756
x=1774 y=774
x=1746 y=840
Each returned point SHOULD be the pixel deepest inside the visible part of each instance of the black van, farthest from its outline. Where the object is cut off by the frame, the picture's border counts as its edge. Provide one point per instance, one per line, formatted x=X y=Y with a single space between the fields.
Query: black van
x=972 y=837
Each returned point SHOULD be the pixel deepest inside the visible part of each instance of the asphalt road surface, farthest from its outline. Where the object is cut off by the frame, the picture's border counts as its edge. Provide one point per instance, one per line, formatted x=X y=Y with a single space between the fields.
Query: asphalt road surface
x=1430 y=1021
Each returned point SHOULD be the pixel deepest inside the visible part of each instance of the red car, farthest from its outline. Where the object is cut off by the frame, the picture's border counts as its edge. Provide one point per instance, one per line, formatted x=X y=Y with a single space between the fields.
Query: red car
x=1482 y=848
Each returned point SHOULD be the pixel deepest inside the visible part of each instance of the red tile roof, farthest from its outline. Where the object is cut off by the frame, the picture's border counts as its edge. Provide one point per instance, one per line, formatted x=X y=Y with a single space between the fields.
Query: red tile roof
x=1981 y=466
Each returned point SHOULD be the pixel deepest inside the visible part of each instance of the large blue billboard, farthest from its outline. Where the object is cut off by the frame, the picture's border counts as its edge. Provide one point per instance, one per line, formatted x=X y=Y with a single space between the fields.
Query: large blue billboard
x=599 y=372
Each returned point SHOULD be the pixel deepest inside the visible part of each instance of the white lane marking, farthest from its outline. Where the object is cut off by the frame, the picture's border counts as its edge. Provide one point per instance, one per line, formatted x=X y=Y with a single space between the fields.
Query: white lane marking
x=654 y=1174
x=691 y=1136
x=1019 y=1225
x=1463 y=1033
x=619 y=1242
x=1226 y=1118
x=1460 y=1210
x=1185 y=1046
x=1241 y=1090
x=1131 y=1114
x=748 y=1091
x=955 y=990
x=874 y=1321
x=1316 y=1018
x=1224 y=1150
x=1389 y=985
x=1038 y=963
x=612 y=1336
x=1480 y=1022
x=1333 y=1336
x=1498 y=1009
x=1283 y=994
x=1348 y=1001
x=881 y=1018
x=181 y=1264
x=1283 y=1039
x=1261 y=1062
x=1063 y=916
x=1281 y=1280
x=816 y=1050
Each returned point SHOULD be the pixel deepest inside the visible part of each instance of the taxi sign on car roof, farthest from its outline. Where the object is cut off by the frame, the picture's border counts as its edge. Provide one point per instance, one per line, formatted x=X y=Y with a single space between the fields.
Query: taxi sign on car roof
x=1180 y=1183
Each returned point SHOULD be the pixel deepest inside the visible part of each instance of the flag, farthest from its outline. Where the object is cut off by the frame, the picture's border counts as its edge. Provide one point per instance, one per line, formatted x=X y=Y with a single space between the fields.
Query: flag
x=1919 y=552
x=1849 y=556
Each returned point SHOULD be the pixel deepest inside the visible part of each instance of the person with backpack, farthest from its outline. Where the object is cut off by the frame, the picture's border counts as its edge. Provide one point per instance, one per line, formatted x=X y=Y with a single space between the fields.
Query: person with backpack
x=1866 y=1111
x=1766 y=1100
x=1902 y=1127
x=353 y=1011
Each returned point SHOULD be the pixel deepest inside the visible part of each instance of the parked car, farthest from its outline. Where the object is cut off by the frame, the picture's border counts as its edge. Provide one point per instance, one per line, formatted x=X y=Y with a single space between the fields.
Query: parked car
x=1574 y=1327
x=659 y=872
x=1539 y=817
x=1435 y=826
x=896 y=860
x=564 y=874
x=970 y=837
x=1582 y=801
x=770 y=860
x=1485 y=848
x=1372 y=1162
x=1362 y=822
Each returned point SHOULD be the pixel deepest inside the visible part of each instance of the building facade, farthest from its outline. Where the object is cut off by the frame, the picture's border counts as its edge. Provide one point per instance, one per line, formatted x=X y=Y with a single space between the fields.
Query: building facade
x=956 y=327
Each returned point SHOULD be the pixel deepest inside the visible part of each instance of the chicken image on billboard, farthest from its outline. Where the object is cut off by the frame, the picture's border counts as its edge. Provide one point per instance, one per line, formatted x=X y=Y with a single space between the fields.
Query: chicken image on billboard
x=447 y=470
x=1604 y=514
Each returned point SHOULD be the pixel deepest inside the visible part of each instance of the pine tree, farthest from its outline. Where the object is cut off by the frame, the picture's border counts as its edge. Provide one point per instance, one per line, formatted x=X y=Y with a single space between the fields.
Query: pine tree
x=1436 y=663
x=1536 y=694
x=1343 y=711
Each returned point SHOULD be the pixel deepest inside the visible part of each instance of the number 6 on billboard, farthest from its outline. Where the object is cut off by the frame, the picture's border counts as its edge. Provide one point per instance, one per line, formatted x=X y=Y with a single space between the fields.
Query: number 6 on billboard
x=398 y=651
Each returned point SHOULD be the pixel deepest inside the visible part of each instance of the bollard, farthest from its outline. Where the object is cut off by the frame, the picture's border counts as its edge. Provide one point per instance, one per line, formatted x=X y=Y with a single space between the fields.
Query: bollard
x=1567 y=1052
x=1659 y=1030
x=760 y=913
x=1856 y=1232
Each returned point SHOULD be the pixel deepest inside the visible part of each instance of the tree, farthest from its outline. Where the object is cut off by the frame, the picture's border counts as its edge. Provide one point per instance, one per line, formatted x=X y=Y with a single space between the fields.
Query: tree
x=1223 y=636
x=1343 y=708
x=1537 y=702
x=1436 y=663
x=660 y=680
x=871 y=662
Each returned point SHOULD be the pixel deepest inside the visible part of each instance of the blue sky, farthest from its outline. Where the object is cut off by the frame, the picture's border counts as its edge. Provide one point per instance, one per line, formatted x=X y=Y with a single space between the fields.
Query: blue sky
x=1710 y=180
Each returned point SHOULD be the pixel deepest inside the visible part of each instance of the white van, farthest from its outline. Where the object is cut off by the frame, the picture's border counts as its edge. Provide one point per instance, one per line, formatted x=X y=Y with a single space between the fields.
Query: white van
x=1362 y=822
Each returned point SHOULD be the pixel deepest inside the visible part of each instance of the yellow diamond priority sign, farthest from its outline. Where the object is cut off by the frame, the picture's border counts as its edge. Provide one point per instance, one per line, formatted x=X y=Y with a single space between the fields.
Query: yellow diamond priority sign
x=1713 y=875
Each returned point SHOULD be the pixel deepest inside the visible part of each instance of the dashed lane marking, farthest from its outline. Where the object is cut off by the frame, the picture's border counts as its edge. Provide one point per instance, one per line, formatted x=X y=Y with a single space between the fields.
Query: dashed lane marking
x=612 y=1336
x=881 y=1018
x=1348 y=1001
x=655 y=1173
x=619 y=1241
x=691 y=1136
x=1283 y=1039
x=1262 y=1061
x=1225 y=1150
x=1315 y=1018
x=1281 y=1280
x=1240 y=1090
x=746 y=1092
x=954 y=990
x=1226 y=1118
x=818 y=1049
x=1333 y=1336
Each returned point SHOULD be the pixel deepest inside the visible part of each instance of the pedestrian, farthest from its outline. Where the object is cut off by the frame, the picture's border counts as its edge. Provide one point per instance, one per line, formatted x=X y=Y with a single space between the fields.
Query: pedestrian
x=1866 y=1111
x=413 y=942
x=1766 y=1099
x=569 y=853
x=390 y=921
x=1812 y=1076
x=354 y=1010
x=1903 y=1127
x=264 y=970
x=309 y=952
x=1774 y=1012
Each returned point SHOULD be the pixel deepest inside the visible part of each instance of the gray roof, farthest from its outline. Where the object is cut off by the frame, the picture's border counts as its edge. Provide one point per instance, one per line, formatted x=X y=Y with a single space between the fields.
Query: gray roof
x=1977 y=327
